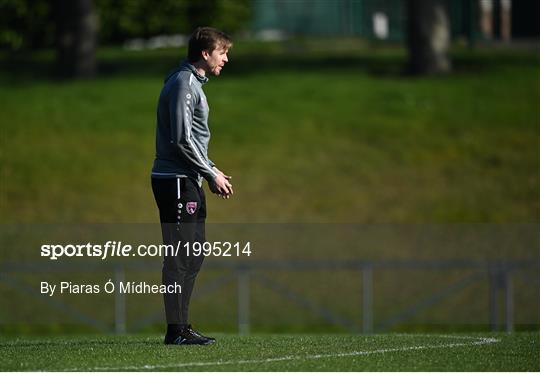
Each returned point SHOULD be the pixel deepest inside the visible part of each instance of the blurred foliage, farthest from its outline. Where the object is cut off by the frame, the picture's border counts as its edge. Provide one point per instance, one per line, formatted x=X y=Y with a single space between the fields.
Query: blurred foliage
x=29 y=24
x=121 y=19
x=25 y=24
x=229 y=15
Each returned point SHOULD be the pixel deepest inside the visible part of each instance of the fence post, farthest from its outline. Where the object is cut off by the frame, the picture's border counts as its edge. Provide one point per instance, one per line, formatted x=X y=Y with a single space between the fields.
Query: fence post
x=243 y=301
x=493 y=311
x=367 y=299
x=119 y=302
x=509 y=301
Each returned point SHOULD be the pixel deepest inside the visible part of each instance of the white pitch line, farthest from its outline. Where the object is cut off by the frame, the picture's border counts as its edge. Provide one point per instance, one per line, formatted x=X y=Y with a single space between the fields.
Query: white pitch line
x=457 y=336
x=477 y=341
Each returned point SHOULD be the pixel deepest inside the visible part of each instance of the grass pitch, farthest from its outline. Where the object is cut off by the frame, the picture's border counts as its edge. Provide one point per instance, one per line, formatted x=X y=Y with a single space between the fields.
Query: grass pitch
x=461 y=148
x=388 y=352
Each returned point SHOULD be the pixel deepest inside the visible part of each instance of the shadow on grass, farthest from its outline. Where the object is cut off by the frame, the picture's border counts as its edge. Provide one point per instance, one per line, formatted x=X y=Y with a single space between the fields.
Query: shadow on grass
x=26 y=68
x=79 y=343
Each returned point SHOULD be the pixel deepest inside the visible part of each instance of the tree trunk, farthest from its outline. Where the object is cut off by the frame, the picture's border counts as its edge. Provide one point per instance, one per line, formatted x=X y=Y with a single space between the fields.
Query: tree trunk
x=428 y=37
x=76 y=35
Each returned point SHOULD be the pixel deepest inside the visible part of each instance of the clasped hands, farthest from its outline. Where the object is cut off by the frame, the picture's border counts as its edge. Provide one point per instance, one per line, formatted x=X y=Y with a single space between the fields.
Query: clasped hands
x=221 y=185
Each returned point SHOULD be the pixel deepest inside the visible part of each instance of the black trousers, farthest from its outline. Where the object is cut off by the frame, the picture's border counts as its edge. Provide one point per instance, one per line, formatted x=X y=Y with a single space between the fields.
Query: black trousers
x=182 y=213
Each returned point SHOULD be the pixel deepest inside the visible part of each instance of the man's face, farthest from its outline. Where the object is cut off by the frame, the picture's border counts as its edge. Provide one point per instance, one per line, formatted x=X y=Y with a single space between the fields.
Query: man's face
x=216 y=60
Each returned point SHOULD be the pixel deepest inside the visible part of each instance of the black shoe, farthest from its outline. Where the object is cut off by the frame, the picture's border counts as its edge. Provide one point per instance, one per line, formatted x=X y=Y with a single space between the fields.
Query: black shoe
x=187 y=336
x=209 y=339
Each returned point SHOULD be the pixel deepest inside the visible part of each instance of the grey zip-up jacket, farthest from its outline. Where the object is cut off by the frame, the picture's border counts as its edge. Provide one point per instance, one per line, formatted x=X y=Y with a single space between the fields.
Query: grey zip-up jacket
x=182 y=133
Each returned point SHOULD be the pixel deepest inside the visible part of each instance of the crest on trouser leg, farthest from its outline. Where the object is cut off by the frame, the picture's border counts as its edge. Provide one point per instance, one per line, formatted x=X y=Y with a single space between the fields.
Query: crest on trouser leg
x=191 y=207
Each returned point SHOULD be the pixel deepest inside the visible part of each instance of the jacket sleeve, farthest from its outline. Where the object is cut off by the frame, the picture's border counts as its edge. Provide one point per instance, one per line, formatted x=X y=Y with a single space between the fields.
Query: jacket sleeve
x=182 y=106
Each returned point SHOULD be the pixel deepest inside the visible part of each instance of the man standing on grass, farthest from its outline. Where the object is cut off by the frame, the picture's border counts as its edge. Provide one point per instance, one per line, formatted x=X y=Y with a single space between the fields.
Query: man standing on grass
x=181 y=163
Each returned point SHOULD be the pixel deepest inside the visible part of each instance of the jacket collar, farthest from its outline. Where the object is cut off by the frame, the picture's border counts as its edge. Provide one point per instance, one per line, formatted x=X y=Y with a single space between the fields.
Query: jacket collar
x=186 y=65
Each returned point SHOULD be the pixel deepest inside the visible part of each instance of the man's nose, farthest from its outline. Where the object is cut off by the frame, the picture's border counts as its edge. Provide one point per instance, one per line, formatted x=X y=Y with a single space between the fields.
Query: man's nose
x=225 y=58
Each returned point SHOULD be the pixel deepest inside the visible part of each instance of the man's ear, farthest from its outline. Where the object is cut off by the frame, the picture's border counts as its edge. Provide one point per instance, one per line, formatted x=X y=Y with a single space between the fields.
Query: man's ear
x=205 y=55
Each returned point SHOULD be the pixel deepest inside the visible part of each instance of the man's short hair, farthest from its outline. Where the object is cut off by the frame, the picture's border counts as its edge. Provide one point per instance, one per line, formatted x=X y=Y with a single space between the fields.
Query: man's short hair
x=206 y=38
